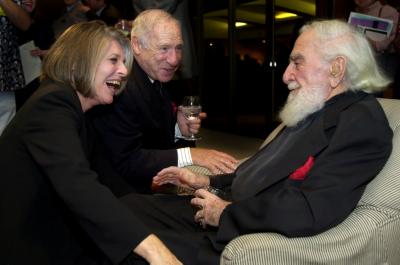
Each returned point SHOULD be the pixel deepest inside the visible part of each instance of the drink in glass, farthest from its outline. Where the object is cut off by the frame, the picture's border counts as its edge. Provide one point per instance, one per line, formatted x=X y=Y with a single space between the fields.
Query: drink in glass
x=191 y=109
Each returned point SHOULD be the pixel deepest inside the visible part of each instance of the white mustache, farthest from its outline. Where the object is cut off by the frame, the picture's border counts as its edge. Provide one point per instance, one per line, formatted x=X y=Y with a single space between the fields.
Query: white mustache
x=293 y=85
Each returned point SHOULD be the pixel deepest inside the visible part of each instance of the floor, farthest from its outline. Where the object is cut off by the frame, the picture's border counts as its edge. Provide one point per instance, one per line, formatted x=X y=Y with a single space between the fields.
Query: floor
x=235 y=145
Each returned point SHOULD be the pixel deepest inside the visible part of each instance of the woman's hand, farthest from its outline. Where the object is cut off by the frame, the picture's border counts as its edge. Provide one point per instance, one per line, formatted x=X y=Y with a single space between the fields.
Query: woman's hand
x=181 y=177
x=155 y=252
x=38 y=53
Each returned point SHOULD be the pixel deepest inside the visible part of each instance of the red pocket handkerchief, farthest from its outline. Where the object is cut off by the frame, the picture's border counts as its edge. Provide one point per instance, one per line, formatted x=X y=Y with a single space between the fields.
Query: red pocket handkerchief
x=174 y=107
x=301 y=172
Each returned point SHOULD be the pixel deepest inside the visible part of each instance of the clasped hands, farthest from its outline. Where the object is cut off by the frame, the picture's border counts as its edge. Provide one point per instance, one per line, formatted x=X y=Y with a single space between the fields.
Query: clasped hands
x=210 y=205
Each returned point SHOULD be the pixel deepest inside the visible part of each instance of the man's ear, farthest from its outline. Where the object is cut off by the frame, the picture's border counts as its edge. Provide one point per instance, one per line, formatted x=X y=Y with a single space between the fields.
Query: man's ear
x=337 y=71
x=135 y=45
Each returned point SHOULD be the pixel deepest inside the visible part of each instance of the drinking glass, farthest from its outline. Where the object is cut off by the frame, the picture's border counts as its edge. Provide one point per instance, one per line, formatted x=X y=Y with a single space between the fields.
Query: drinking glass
x=124 y=26
x=191 y=109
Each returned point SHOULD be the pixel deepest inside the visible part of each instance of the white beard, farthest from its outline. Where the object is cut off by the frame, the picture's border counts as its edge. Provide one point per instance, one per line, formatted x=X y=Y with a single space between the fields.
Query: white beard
x=305 y=102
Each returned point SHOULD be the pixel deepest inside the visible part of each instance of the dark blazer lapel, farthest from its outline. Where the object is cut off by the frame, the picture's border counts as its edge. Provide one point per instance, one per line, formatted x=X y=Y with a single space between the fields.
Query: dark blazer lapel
x=311 y=146
x=143 y=84
x=155 y=103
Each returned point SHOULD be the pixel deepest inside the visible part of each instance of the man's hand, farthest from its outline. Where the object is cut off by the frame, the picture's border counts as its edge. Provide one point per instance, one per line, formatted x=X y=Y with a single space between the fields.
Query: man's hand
x=155 y=252
x=187 y=127
x=216 y=162
x=181 y=177
x=38 y=53
x=210 y=205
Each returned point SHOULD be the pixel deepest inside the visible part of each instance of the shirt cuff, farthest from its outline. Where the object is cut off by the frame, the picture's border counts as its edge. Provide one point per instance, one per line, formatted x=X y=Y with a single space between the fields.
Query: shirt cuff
x=184 y=157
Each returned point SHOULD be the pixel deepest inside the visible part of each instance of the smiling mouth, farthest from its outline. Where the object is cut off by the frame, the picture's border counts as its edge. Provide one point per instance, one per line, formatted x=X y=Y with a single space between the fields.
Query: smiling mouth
x=115 y=84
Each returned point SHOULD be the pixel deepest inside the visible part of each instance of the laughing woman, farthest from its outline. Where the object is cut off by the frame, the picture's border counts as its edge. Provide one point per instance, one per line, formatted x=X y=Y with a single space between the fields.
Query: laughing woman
x=53 y=209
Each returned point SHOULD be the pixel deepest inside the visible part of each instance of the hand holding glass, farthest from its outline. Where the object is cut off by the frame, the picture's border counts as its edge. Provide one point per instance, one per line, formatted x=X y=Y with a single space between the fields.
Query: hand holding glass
x=191 y=109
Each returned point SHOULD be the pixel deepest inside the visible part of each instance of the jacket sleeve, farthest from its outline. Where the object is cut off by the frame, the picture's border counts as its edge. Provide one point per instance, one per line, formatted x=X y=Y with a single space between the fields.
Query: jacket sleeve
x=53 y=140
x=120 y=128
x=358 y=149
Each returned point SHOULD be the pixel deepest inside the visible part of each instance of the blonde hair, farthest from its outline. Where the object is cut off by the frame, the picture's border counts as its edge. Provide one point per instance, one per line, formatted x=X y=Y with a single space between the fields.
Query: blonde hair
x=338 y=38
x=73 y=59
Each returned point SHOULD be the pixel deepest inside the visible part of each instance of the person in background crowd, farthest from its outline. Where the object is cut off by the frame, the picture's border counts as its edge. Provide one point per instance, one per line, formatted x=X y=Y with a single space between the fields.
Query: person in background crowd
x=140 y=129
x=309 y=178
x=383 y=47
x=12 y=17
x=102 y=10
x=74 y=12
x=52 y=20
x=47 y=16
x=54 y=209
x=396 y=50
x=42 y=35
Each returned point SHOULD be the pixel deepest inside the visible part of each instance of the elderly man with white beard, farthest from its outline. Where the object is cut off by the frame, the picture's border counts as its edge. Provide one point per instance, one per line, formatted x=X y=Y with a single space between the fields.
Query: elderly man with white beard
x=310 y=177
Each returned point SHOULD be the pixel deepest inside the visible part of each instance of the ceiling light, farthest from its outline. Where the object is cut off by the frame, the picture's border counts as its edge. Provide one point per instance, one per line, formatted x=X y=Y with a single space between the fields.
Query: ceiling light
x=284 y=15
x=240 y=24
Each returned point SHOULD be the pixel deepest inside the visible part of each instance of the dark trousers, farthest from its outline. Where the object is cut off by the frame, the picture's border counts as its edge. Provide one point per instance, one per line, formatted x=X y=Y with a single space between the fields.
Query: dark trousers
x=171 y=218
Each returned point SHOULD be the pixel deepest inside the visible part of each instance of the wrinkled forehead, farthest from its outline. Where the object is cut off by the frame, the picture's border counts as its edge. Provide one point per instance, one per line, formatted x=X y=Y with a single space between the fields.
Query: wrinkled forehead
x=307 y=46
x=305 y=41
x=167 y=32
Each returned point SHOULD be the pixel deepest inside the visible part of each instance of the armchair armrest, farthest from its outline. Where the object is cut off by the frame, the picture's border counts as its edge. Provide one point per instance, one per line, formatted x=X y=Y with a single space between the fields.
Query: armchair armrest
x=365 y=237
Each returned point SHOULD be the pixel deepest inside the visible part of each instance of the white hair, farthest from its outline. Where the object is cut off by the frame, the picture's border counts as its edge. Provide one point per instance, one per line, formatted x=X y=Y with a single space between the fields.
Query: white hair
x=301 y=103
x=337 y=38
x=146 y=21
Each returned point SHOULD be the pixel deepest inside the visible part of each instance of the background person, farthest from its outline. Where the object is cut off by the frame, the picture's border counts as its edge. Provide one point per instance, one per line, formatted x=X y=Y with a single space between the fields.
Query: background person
x=311 y=176
x=53 y=208
x=12 y=17
x=140 y=128
x=52 y=19
x=383 y=46
x=102 y=10
x=74 y=12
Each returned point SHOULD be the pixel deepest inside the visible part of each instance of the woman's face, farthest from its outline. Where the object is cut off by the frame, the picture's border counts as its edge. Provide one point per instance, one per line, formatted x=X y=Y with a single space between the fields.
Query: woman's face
x=109 y=75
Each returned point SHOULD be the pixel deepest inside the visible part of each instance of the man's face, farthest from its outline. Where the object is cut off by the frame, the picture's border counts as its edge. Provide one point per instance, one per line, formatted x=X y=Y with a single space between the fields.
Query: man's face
x=306 y=68
x=307 y=77
x=162 y=56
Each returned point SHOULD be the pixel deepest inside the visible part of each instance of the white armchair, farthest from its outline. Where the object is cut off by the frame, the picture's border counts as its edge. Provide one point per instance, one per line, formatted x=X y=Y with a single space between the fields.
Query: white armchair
x=370 y=235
